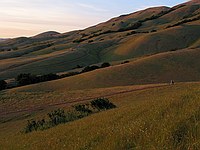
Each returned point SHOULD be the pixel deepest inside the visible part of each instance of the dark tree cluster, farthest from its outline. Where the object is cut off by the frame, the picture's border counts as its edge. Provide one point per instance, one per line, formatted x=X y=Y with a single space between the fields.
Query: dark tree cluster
x=33 y=125
x=83 y=108
x=94 y=67
x=69 y=74
x=125 y=62
x=90 y=68
x=184 y=21
x=102 y=104
x=3 y=85
x=57 y=117
x=27 y=78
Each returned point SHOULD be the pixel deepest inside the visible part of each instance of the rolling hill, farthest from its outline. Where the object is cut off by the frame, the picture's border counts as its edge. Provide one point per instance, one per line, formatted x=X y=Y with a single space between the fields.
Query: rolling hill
x=146 y=49
x=148 y=118
x=133 y=36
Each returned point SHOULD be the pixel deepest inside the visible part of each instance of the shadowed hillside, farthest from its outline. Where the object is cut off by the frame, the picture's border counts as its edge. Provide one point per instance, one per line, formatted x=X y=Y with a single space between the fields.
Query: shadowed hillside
x=144 y=33
x=182 y=65
x=145 y=65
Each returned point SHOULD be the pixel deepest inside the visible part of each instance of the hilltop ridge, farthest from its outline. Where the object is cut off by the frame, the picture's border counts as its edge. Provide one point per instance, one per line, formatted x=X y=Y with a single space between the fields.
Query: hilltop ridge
x=133 y=36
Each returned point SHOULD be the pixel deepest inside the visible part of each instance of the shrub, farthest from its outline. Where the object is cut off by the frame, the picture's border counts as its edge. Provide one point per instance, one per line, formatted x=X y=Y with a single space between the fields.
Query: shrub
x=125 y=62
x=3 y=85
x=47 y=77
x=90 y=41
x=132 y=32
x=78 y=40
x=83 y=108
x=26 y=78
x=57 y=117
x=89 y=68
x=102 y=104
x=104 y=65
x=153 y=30
x=131 y=27
x=33 y=125
x=15 y=48
x=69 y=74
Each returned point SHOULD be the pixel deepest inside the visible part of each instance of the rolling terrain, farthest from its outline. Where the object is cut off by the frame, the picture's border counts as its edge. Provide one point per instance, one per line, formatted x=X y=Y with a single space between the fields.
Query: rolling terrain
x=146 y=49
x=146 y=117
x=133 y=36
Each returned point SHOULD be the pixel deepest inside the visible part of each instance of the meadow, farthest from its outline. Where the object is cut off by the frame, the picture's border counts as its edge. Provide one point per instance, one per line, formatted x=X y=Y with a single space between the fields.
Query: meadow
x=154 y=118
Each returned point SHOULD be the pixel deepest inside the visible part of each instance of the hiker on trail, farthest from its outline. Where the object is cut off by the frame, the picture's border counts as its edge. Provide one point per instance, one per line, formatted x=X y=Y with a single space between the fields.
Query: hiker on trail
x=172 y=82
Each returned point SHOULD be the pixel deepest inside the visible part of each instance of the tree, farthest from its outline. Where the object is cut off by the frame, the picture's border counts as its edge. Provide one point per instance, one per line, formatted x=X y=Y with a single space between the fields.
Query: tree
x=57 y=117
x=3 y=85
x=83 y=108
x=104 y=65
x=89 y=68
x=26 y=78
x=102 y=104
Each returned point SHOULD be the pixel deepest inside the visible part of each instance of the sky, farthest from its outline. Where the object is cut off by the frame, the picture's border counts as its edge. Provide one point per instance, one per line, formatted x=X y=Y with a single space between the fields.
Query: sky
x=31 y=17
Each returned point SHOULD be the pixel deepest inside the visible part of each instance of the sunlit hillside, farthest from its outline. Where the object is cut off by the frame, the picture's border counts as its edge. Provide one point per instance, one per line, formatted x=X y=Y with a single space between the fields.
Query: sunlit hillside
x=132 y=82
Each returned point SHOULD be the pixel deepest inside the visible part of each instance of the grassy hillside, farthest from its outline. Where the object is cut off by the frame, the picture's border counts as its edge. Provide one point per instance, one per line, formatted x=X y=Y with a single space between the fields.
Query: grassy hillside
x=158 y=44
x=146 y=32
x=158 y=118
x=180 y=66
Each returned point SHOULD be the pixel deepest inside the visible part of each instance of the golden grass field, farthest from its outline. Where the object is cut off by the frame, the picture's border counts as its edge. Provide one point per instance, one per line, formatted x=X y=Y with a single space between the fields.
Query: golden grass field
x=163 y=44
x=164 y=117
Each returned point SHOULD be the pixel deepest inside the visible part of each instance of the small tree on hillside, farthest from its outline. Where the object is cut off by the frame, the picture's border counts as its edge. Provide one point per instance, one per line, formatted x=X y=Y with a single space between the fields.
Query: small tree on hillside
x=102 y=104
x=104 y=65
x=26 y=78
x=3 y=84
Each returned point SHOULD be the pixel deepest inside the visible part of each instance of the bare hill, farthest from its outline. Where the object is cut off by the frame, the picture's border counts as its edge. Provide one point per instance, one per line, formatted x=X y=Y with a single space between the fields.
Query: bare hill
x=133 y=36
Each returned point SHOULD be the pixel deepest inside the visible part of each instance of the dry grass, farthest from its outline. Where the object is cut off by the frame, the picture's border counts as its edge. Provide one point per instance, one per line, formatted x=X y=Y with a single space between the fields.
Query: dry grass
x=161 y=68
x=64 y=55
x=159 y=118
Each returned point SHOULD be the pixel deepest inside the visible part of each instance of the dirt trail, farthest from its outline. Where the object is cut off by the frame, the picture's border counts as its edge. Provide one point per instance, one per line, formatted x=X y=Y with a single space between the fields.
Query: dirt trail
x=77 y=101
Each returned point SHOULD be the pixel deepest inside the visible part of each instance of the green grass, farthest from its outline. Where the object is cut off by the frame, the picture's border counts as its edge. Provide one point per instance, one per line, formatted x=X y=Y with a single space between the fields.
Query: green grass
x=159 y=118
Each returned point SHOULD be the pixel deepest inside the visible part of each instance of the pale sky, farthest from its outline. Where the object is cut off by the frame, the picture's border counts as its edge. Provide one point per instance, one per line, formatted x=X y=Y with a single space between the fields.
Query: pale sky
x=30 y=17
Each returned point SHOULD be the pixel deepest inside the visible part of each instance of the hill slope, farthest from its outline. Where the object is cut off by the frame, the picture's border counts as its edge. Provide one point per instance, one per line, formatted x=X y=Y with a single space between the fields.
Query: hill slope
x=182 y=65
x=157 y=118
x=146 y=32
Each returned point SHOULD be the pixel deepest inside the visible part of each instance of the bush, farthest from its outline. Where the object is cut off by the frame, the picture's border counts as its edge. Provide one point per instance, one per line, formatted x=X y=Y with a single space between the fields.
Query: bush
x=69 y=74
x=83 y=108
x=104 y=65
x=90 y=41
x=132 y=32
x=47 y=77
x=89 y=68
x=102 y=104
x=3 y=85
x=57 y=117
x=26 y=78
x=125 y=62
x=131 y=27
x=33 y=125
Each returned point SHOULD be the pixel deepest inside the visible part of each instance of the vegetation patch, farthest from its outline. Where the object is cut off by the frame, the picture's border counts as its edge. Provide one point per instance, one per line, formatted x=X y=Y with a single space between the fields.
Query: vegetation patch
x=59 y=116
x=3 y=85
x=184 y=21
x=27 y=78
